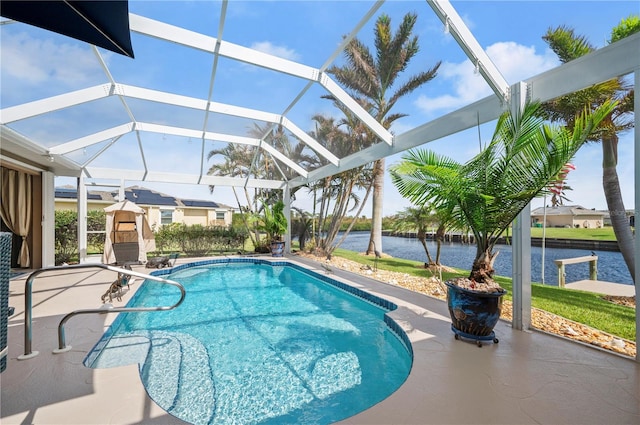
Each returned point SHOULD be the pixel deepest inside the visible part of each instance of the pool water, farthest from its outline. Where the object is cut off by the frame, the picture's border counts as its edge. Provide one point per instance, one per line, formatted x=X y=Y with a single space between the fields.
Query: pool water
x=257 y=344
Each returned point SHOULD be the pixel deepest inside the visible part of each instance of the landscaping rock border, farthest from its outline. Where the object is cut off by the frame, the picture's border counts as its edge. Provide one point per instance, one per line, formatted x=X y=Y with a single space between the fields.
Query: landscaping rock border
x=540 y=319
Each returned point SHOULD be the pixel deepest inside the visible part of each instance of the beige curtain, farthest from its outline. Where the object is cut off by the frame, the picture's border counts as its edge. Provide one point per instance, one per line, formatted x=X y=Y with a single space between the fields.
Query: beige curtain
x=15 y=207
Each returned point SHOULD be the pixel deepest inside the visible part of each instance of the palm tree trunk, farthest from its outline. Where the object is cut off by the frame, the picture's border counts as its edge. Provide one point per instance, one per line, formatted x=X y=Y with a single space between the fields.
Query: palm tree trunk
x=355 y=218
x=482 y=269
x=423 y=241
x=439 y=237
x=375 y=241
x=244 y=218
x=339 y=211
x=613 y=195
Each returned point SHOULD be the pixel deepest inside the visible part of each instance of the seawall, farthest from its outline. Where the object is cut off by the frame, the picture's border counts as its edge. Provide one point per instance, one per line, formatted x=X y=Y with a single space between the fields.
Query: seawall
x=592 y=245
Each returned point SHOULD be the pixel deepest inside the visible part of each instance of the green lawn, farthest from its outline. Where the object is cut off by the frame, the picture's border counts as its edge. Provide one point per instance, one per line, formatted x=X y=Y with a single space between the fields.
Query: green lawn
x=583 y=307
x=604 y=234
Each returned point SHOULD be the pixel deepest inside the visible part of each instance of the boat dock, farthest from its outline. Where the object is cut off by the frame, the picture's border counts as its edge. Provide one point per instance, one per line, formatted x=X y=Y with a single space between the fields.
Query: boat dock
x=592 y=284
x=600 y=287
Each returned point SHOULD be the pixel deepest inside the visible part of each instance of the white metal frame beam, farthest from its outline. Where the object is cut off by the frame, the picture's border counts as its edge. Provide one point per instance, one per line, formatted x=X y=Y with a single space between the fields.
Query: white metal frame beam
x=164 y=177
x=521 y=257
x=121 y=130
x=466 y=40
x=247 y=55
x=31 y=109
x=54 y=103
x=603 y=64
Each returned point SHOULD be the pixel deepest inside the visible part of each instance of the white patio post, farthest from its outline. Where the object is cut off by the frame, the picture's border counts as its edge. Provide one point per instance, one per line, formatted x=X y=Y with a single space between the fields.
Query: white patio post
x=521 y=247
x=82 y=220
x=286 y=198
x=48 y=219
x=636 y=133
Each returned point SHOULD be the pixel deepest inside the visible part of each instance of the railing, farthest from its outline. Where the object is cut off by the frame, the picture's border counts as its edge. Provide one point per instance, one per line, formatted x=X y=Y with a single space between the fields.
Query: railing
x=28 y=314
x=593 y=267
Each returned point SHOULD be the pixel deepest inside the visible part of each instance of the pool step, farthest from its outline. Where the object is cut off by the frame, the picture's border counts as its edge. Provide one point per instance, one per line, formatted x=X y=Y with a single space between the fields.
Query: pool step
x=177 y=370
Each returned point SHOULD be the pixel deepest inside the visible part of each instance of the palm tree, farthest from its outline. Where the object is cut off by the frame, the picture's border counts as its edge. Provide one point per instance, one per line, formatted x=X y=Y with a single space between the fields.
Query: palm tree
x=337 y=192
x=236 y=163
x=371 y=78
x=568 y=46
x=278 y=138
x=486 y=193
x=301 y=226
x=417 y=219
x=245 y=160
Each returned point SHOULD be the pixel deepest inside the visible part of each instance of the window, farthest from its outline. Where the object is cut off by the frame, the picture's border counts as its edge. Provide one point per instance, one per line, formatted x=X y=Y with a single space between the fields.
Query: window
x=219 y=215
x=166 y=217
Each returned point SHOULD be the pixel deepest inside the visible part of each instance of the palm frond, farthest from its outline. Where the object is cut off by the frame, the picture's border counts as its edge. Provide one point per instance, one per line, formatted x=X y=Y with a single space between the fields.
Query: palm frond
x=487 y=192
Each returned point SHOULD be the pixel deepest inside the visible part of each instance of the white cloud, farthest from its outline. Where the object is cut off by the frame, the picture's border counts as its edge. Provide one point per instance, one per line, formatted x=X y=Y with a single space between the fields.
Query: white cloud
x=42 y=61
x=515 y=61
x=279 y=51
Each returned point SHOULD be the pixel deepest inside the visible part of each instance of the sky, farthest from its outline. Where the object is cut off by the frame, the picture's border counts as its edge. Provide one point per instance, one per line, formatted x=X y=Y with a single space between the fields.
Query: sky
x=36 y=64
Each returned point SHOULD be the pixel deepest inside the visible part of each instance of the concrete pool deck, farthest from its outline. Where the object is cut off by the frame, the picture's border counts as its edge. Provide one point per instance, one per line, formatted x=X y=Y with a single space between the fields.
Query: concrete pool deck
x=527 y=378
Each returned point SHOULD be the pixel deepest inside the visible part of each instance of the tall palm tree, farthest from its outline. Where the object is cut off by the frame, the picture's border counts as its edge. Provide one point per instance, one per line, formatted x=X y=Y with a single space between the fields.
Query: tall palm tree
x=371 y=78
x=568 y=46
x=486 y=193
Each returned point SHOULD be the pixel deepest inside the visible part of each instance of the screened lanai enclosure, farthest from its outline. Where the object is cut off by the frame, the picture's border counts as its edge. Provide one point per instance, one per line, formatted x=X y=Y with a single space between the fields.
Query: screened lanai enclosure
x=213 y=79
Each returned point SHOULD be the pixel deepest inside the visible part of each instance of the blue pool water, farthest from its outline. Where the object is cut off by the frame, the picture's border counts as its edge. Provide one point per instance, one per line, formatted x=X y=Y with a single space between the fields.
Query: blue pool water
x=258 y=344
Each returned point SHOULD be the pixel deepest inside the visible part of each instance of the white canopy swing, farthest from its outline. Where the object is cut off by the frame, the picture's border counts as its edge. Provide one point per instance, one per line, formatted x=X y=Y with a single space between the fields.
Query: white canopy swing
x=128 y=234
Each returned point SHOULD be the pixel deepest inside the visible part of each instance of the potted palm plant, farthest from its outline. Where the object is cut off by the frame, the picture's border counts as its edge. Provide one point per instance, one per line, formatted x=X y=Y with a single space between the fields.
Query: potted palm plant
x=486 y=193
x=274 y=224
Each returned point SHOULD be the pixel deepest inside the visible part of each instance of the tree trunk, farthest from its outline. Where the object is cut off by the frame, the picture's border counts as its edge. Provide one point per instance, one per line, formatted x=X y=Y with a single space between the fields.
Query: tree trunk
x=439 y=237
x=482 y=269
x=422 y=237
x=375 y=241
x=355 y=218
x=613 y=195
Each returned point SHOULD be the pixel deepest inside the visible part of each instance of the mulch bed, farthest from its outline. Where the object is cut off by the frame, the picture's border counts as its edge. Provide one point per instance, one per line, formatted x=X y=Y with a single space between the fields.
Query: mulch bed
x=621 y=300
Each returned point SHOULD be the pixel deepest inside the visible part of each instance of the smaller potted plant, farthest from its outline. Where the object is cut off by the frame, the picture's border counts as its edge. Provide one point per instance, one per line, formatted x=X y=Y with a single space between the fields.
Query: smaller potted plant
x=274 y=224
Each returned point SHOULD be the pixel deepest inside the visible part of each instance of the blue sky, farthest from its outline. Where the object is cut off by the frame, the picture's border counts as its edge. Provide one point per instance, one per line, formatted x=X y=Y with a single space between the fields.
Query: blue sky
x=36 y=64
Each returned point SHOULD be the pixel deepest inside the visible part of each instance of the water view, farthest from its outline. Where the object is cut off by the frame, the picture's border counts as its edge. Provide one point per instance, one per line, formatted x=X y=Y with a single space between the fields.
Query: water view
x=611 y=267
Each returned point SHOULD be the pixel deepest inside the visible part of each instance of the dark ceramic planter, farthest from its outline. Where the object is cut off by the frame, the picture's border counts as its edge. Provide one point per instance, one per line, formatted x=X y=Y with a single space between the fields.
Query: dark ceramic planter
x=474 y=314
x=277 y=248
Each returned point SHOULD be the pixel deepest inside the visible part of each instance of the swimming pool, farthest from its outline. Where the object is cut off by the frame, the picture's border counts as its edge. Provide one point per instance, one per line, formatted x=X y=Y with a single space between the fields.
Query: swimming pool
x=259 y=342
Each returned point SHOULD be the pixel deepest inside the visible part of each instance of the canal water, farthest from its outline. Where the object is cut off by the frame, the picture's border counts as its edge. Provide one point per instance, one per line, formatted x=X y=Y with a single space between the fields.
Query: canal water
x=611 y=266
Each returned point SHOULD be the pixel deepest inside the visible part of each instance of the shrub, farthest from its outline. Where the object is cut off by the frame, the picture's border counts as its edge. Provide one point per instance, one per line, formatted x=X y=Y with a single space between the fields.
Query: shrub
x=197 y=240
x=66 y=236
x=96 y=222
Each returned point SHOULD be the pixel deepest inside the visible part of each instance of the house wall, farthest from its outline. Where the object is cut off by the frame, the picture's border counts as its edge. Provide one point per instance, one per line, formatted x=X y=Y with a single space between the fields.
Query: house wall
x=153 y=216
x=189 y=216
x=201 y=216
x=589 y=221
x=193 y=216
x=581 y=221
x=72 y=204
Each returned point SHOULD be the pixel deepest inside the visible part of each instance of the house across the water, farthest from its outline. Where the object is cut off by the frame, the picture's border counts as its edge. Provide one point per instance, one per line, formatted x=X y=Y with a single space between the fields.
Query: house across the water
x=574 y=216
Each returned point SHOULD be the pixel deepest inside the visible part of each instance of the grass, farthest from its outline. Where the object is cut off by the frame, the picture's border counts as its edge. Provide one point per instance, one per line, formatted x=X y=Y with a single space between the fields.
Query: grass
x=580 y=306
x=603 y=234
